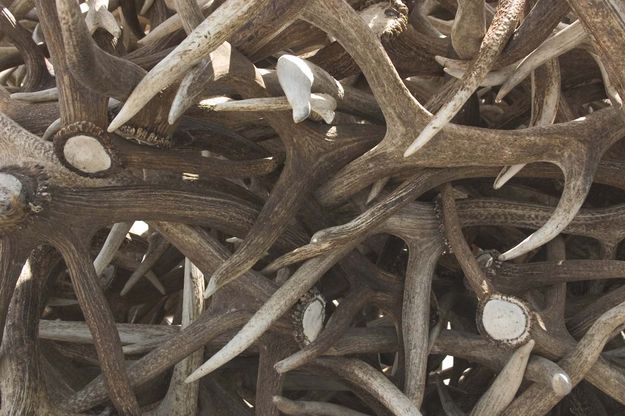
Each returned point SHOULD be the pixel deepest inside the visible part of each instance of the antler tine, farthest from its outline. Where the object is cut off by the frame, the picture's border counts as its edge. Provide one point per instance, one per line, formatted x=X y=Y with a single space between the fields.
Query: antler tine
x=562 y=42
x=536 y=400
x=182 y=398
x=99 y=17
x=285 y=297
x=101 y=323
x=92 y=66
x=13 y=256
x=545 y=99
x=578 y=175
x=533 y=30
x=37 y=75
x=51 y=94
x=191 y=85
x=505 y=386
x=469 y=28
x=604 y=21
x=113 y=241
x=504 y=21
x=291 y=407
x=215 y=67
x=374 y=382
x=386 y=86
x=249 y=138
x=23 y=388
x=340 y=321
x=218 y=27
x=422 y=260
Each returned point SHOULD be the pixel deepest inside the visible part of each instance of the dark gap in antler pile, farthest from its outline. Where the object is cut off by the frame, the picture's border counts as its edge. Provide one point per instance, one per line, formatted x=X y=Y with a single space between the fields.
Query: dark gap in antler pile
x=312 y=207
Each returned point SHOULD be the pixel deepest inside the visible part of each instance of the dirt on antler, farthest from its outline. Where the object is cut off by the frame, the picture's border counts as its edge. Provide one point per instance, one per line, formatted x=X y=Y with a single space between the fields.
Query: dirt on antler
x=312 y=207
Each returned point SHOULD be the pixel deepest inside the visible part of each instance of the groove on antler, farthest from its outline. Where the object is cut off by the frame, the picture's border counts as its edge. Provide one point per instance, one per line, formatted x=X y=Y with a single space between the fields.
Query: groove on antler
x=504 y=21
x=249 y=139
x=99 y=317
x=37 y=76
x=92 y=66
x=205 y=38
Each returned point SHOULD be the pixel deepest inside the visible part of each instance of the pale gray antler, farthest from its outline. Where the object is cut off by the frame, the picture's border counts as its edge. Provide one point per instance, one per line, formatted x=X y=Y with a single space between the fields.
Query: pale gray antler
x=264 y=143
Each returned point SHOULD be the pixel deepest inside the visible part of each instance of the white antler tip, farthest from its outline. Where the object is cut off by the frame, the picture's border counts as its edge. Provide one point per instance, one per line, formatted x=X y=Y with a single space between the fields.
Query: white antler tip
x=513 y=252
x=424 y=137
x=413 y=148
x=280 y=367
x=205 y=369
x=296 y=80
x=211 y=288
x=324 y=105
x=506 y=174
x=192 y=378
x=301 y=111
x=116 y=123
x=441 y=60
x=503 y=91
x=561 y=384
x=125 y=290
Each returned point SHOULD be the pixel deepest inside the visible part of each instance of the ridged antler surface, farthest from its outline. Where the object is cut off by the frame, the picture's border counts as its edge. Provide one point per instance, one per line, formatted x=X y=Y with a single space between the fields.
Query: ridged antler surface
x=312 y=207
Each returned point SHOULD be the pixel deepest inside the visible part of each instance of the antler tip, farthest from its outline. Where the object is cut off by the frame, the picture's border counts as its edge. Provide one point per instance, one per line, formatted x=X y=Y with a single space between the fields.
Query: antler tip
x=561 y=384
x=211 y=288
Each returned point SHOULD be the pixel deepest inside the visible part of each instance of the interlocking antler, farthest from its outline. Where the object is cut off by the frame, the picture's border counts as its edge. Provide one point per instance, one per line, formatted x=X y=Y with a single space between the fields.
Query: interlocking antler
x=226 y=149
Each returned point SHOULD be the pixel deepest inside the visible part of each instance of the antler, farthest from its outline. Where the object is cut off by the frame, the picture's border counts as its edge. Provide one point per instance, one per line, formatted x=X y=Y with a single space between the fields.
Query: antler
x=155 y=153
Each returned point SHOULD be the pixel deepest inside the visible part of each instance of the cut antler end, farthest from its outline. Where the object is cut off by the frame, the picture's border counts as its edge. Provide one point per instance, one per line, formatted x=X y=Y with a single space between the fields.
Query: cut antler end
x=308 y=317
x=505 y=319
x=10 y=194
x=85 y=149
x=87 y=154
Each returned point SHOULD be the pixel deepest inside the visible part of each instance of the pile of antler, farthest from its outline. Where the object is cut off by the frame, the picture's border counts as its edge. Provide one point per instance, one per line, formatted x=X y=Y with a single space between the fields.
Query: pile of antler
x=314 y=179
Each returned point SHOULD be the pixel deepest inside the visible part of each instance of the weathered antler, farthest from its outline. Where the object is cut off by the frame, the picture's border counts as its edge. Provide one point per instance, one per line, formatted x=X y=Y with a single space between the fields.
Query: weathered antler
x=237 y=165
